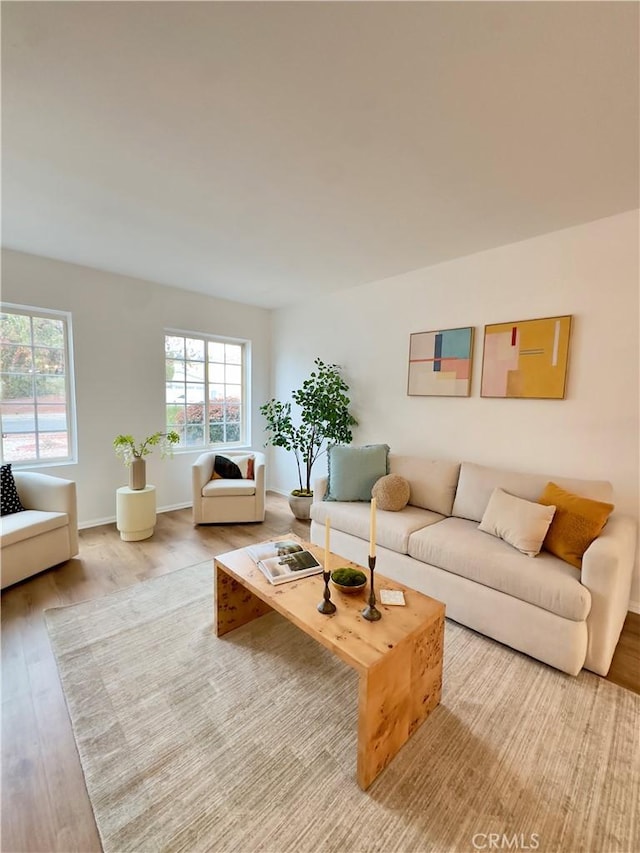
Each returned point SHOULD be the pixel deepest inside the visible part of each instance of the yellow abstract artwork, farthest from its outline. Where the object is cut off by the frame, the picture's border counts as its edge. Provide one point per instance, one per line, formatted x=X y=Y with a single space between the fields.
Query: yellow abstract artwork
x=526 y=359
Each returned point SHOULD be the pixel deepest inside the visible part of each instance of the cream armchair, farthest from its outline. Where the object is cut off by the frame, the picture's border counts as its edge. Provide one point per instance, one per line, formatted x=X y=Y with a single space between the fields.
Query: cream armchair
x=45 y=534
x=223 y=501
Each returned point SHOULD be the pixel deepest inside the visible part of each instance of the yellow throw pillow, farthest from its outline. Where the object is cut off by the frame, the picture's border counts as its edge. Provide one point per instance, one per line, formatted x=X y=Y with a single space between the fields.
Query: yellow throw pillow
x=576 y=523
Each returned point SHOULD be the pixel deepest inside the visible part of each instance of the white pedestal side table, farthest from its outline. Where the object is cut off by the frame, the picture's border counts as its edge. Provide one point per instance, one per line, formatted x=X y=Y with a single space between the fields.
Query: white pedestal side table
x=135 y=512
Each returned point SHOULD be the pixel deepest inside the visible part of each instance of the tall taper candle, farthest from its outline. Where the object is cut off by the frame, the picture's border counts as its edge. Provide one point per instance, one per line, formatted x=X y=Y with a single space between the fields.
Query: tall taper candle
x=326 y=545
x=372 y=529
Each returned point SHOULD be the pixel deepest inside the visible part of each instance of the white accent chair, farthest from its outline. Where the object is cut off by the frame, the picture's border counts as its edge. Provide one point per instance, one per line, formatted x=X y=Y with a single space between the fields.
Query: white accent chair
x=227 y=501
x=45 y=534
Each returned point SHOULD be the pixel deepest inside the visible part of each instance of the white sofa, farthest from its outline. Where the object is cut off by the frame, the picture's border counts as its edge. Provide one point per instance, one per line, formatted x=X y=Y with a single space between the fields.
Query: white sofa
x=45 y=534
x=541 y=606
x=226 y=501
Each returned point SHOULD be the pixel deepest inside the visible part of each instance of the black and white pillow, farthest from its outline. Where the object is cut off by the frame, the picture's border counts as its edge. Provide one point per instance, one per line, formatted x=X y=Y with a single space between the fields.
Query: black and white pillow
x=9 y=499
x=225 y=469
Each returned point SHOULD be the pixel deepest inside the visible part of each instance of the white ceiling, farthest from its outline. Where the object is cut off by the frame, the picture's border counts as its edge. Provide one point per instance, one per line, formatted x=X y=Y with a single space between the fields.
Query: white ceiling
x=266 y=151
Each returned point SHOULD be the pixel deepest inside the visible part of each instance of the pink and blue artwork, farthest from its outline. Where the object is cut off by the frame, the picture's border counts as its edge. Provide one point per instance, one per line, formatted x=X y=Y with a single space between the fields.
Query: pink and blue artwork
x=440 y=363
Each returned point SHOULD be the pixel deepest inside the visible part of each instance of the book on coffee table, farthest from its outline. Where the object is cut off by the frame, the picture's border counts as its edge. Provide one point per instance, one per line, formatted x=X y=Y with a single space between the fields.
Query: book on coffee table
x=284 y=560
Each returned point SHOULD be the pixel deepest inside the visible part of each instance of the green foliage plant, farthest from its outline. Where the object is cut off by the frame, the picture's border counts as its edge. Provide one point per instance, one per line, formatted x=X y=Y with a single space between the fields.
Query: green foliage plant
x=128 y=449
x=324 y=418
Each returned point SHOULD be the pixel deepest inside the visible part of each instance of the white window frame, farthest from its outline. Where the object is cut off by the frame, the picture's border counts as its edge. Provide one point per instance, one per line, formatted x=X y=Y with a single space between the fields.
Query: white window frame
x=245 y=420
x=70 y=392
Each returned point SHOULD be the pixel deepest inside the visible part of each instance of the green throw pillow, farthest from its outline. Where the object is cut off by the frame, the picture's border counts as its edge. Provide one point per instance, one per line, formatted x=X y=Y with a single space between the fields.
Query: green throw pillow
x=354 y=470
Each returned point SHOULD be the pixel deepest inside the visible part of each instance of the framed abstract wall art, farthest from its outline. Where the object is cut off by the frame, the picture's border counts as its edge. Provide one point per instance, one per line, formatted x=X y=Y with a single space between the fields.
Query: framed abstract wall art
x=526 y=359
x=440 y=363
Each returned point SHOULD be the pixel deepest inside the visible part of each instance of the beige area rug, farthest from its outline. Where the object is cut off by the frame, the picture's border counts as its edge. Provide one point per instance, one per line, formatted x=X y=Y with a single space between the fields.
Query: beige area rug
x=248 y=743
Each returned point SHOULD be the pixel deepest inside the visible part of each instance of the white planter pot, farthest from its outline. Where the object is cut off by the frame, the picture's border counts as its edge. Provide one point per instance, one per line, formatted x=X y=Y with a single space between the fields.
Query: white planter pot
x=301 y=506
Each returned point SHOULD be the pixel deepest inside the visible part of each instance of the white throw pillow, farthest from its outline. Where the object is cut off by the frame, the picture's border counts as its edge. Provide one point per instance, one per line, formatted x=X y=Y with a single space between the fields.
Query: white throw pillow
x=521 y=523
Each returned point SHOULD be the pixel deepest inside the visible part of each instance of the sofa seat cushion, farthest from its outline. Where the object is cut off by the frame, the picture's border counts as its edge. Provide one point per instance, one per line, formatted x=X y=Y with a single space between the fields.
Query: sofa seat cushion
x=32 y=522
x=228 y=488
x=393 y=529
x=458 y=546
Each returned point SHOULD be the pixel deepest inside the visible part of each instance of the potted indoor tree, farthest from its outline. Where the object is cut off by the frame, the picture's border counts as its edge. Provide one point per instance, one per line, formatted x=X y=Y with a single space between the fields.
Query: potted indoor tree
x=132 y=453
x=324 y=419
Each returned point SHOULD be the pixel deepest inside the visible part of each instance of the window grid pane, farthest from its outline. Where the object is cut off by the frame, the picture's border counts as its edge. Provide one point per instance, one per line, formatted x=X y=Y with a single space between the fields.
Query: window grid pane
x=35 y=397
x=199 y=370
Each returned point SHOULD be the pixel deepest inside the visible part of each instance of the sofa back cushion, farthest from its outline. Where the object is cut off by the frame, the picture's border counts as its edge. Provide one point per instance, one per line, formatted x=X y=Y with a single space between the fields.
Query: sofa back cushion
x=477 y=482
x=432 y=481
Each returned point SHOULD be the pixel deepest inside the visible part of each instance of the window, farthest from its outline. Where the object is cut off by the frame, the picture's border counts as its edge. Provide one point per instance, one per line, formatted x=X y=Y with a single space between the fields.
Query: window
x=205 y=389
x=36 y=404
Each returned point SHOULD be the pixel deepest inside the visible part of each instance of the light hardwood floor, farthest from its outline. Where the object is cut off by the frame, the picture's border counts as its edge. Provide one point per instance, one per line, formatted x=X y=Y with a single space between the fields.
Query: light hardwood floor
x=45 y=806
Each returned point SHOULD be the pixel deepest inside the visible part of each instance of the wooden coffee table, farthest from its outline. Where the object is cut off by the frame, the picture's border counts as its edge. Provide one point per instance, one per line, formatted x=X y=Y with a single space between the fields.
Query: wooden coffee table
x=398 y=659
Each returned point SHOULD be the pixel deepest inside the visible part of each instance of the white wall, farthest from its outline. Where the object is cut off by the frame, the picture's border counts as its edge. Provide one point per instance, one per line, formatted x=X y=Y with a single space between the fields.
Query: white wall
x=118 y=329
x=590 y=271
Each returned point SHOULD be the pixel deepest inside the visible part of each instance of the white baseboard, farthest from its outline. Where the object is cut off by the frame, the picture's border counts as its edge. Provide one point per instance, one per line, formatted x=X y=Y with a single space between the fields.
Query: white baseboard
x=634 y=606
x=98 y=522
x=186 y=505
